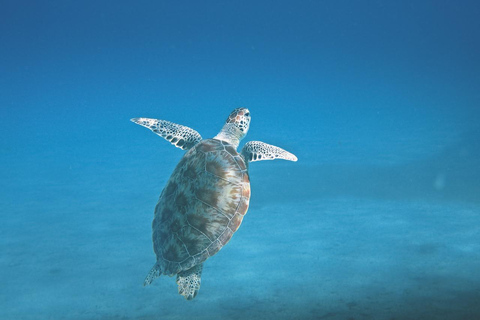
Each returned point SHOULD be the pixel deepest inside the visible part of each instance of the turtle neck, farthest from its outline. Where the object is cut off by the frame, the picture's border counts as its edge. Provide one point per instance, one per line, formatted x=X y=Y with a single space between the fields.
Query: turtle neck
x=231 y=134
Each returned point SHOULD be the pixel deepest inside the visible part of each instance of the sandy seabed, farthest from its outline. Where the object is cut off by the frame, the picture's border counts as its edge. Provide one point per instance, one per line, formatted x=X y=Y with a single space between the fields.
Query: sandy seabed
x=337 y=258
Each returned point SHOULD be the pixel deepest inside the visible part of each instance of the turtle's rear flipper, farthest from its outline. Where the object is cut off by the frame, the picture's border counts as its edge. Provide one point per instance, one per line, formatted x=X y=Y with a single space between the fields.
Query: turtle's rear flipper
x=189 y=281
x=152 y=275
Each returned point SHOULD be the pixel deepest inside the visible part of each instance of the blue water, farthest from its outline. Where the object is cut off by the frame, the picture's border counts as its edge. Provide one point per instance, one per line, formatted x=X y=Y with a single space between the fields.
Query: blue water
x=379 y=100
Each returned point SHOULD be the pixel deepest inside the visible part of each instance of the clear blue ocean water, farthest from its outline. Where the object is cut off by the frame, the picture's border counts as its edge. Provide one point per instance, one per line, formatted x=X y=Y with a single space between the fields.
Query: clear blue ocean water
x=379 y=100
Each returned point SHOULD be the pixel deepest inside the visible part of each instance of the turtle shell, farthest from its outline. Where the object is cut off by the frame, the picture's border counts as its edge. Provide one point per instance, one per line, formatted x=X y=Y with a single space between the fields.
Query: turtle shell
x=201 y=206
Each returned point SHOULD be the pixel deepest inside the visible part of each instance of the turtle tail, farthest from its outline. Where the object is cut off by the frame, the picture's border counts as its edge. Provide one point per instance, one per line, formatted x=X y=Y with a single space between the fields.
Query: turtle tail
x=154 y=273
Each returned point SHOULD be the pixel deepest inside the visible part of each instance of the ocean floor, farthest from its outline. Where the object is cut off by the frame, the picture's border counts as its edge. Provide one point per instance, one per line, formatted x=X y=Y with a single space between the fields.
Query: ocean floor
x=332 y=258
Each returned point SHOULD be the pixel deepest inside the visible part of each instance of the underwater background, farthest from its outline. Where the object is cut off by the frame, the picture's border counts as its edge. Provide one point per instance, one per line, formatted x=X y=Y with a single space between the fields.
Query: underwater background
x=379 y=100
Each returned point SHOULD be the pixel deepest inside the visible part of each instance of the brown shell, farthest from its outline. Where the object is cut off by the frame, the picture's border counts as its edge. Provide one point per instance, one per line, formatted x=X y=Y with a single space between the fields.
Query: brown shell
x=201 y=206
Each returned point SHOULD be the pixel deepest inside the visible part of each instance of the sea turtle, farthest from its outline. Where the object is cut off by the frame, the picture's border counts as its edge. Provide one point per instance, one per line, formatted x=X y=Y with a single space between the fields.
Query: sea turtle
x=206 y=197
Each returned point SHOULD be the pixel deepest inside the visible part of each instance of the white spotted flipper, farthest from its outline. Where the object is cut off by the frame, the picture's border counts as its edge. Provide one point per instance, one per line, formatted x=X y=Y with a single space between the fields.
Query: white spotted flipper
x=180 y=136
x=257 y=150
x=189 y=281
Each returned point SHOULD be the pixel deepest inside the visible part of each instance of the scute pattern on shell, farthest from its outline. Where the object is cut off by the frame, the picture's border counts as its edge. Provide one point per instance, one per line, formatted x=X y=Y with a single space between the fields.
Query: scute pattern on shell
x=201 y=207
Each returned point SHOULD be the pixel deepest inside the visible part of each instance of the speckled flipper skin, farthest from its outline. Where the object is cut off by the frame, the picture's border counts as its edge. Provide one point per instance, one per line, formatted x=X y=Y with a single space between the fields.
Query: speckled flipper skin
x=180 y=136
x=257 y=150
x=189 y=281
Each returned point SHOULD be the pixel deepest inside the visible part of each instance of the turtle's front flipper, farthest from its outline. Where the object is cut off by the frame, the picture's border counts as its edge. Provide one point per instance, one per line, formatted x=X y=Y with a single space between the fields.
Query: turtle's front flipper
x=257 y=150
x=180 y=136
x=189 y=281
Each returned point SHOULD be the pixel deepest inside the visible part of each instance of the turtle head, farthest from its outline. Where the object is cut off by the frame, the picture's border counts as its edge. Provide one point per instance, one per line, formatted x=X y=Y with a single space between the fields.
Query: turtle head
x=240 y=118
x=236 y=126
